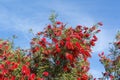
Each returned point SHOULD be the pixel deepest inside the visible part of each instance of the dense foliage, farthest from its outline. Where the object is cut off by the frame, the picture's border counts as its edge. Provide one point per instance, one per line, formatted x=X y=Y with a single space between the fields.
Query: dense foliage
x=57 y=53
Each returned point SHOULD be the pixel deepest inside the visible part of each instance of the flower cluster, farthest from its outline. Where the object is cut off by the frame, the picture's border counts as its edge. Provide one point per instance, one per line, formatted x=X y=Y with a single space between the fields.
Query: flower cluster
x=57 y=53
x=14 y=65
x=64 y=51
x=111 y=62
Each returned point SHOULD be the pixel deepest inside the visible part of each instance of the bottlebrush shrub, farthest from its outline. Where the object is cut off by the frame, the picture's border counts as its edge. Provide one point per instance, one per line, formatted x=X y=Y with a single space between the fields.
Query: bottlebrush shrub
x=111 y=62
x=56 y=53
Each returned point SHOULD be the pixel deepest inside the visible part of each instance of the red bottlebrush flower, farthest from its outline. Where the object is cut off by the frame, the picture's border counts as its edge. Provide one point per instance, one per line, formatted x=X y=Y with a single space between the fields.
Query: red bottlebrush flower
x=32 y=76
x=98 y=31
x=54 y=40
x=72 y=65
x=78 y=45
x=118 y=43
x=5 y=42
x=77 y=36
x=45 y=73
x=40 y=79
x=1 y=46
x=43 y=40
x=62 y=56
x=94 y=38
x=99 y=55
x=87 y=35
x=111 y=77
x=100 y=23
x=6 y=78
x=25 y=70
x=12 y=78
x=93 y=28
x=6 y=47
x=57 y=48
x=14 y=66
x=58 y=33
x=39 y=33
x=94 y=78
x=32 y=42
x=49 y=26
x=61 y=43
x=8 y=62
x=65 y=68
x=58 y=22
x=102 y=53
x=78 y=78
x=92 y=43
x=4 y=72
x=57 y=62
x=36 y=49
x=79 y=28
x=69 y=45
x=69 y=57
x=87 y=53
x=84 y=77
x=85 y=28
x=1 y=66
x=68 y=39
x=85 y=68
x=106 y=73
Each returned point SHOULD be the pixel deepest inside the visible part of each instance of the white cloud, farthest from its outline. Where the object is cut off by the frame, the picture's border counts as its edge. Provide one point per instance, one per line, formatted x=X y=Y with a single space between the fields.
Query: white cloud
x=96 y=73
x=104 y=38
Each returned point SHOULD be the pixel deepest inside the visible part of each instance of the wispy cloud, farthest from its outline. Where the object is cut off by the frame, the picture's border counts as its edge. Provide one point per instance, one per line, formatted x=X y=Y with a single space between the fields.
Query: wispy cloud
x=105 y=37
x=96 y=73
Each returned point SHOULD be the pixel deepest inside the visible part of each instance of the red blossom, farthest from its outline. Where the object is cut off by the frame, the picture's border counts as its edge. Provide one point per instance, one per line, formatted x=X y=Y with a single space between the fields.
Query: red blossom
x=32 y=42
x=100 y=23
x=13 y=78
x=49 y=26
x=62 y=43
x=4 y=71
x=84 y=77
x=93 y=28
x=58 y=22
x=39 y=33
x=69 y=57
x=1 y=66
x=78 y=46
x=57 y=62
x=92 y=42
x=69 y=45
x=87 y=35
x=94 y=38
x=25 y=70
x=1 y=46
x=54 y=40
x=65 y=68
x=35 y=49
x=40 y=79
x=14 y=65
x=98 y=31
x=57 y=48
x=32 y=76
x=45 y=73
x=78 y=78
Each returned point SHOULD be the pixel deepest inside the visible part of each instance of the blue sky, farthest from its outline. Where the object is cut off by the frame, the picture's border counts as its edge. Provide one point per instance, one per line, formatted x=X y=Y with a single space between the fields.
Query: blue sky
x=18 y=16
